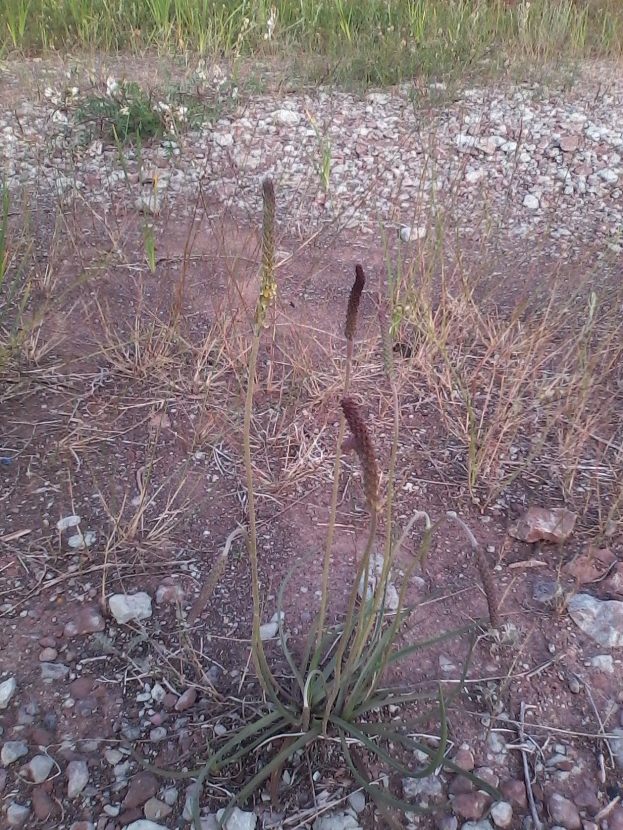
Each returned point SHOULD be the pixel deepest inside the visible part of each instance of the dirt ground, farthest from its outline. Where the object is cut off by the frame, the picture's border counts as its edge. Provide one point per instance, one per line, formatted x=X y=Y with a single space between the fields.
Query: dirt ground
x=127 y=411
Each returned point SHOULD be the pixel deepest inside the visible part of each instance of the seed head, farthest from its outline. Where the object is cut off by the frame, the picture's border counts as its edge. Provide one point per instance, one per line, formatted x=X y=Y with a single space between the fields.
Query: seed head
x=365 y=450
x=353 y=303
x=268 y=287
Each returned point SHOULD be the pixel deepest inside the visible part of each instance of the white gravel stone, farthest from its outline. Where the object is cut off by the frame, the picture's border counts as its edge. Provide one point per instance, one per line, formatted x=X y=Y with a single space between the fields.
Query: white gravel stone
x=531 y=202
x=7 y=690
x=40 y=767
x=17 y=815
x=77 y=778
x=126 y=607
x=502 y=814
x=12 y=751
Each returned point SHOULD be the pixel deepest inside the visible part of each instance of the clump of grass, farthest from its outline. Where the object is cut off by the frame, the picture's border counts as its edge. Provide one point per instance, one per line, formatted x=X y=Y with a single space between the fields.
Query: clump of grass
x=366 y=41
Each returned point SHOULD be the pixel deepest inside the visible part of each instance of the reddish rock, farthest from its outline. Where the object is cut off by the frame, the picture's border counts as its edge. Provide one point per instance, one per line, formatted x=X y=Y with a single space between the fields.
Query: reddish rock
x=87 y=620
x=186 y=700
x=539 y=523
x=460 y=785
x=81 y=687
x=129 y=816
x=464 y=758
x=47 y=642
x=564 y=812
x=41 y=736
x=471 y=805
x=43 y=805
x=142 y=787
x=515 y=793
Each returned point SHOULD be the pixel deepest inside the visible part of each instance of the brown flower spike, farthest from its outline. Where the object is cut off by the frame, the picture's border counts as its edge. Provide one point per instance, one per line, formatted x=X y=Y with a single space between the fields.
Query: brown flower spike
x=365 y=450
x=353 y=303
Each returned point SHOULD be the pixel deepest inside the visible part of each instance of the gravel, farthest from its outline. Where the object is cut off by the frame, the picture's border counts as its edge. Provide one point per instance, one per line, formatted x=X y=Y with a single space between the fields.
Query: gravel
x=549 y=158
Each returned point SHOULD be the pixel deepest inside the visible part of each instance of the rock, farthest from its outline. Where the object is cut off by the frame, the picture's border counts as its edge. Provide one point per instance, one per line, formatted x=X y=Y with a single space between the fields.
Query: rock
x=126 y=607
x=12 y=751
x=170 y=796
x=496 y=743
x=145 y=824
x=615 y=819
x=81 y=687
x=87 y=620
x=270 y=629
x=446 y=665
x=569 y=143
x=585 y=797
x=43 y=805
x=7 y=690
x=286 y=118
x=48 y=655
x=142 y=787
x=599 y=619
x=471 y=805
x=170 y=593
x=223 y=139
x=422 y=789
x=67 y=522
x=155 y=809
x=564 y=812
x=82 y=825
x=357 y=801
x=17 y=815
x=543 y=524
x=54 y=672
x=149 y=203
x=3 y=778
x=39 y=767
x=407 y=233
x=483 y=824
x=158 y=734
x=514 y=792
x=464 y=758
x=603 y=663
x=609 y=176
x=616 y=745
x=81 y=541
x=374 y=583
x=502 y=814
x=446 y=822
x=486 y=773
x=531 y=202
x=591 y=566
x=474 y=176
x=335 y=821
x=77 y=778
x=187 y=700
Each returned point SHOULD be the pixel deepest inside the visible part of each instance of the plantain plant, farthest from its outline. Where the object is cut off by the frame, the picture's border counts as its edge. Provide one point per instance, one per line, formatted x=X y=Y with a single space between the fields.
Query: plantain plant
x=335 y=690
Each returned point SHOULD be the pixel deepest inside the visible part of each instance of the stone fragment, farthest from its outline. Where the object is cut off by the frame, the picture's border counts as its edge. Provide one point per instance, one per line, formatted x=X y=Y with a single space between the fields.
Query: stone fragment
x=602 y=620
x=126 y=607
x=544 y=524
x=564 y=812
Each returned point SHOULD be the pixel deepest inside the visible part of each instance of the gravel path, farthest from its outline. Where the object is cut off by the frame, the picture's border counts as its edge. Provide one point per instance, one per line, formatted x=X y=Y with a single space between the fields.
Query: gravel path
x=539 y=161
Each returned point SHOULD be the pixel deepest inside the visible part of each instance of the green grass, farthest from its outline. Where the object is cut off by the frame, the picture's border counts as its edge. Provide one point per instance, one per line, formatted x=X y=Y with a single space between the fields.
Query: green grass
x=370 y=41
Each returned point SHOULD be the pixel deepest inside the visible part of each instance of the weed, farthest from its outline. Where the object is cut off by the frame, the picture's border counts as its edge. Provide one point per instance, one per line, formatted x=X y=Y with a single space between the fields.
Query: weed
x=129 y=114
